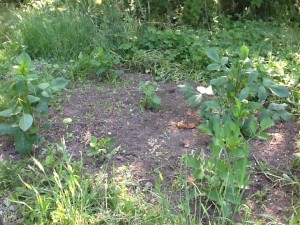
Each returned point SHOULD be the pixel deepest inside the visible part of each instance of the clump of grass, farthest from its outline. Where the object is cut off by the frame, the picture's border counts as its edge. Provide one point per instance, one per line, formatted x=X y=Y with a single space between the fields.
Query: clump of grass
x=57 y=190
x=53 y=33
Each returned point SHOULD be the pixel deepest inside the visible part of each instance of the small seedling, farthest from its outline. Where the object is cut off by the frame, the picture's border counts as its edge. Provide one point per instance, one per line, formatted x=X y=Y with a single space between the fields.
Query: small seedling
x=102 y=147
x=150 y=100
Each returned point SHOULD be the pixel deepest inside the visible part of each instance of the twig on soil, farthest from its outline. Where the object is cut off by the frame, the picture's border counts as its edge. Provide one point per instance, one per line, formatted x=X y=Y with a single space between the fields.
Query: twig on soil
x=263 y=172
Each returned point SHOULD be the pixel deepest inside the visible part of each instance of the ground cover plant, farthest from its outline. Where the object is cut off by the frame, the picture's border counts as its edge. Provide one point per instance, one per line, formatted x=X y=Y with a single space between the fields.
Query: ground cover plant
x=123 y=144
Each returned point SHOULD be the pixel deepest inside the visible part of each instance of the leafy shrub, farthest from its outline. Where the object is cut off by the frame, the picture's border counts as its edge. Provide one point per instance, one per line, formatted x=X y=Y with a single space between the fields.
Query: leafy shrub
x=27 y=96
x=236 y=113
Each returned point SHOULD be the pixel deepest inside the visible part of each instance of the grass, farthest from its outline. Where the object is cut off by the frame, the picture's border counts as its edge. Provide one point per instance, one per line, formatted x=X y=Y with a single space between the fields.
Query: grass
x=55 y=189
x=65 y=40
x=53 y=33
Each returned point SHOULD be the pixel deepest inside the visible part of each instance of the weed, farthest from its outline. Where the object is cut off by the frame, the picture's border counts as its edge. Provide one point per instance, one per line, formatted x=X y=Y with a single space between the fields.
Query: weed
x=57 y=191
x=102 y=148
x=9 y=174
x=150 y=100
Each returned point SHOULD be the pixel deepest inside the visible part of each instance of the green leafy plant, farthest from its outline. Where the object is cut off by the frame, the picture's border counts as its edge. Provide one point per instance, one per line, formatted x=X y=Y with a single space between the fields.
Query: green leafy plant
x=150 y=99
x=239 y=110
x=102 y=147
x=27 y=97
x=105 y=64
x=240 y=94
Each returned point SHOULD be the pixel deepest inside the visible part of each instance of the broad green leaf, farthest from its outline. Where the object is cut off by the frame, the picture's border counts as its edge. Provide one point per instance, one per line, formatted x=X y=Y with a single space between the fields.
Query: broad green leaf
x=187 y=90
x=254 y=105
x=125 y=46
x=247 y=64
x=267 y=82
x=47 y=125
x=8 y=128
x=43 y=86
x=279 y=91
x=195 y=100
x=33 y=99
x=46 y=94
x=25 y=122
x=213 y=54
x=192 y=162
x=244 y=52
x=59 y=83
x=116 y=61
x=224 y=61
x=250 y=127
x=262 y=93
x=32 y=88
x=216 y=147
x=24 y=57
x=266 y=123
x=42 y=107
x=213 y=105
x=286 y=115
x=265 y=113
x=205 y=129
x=218 y=144
x=93 y=141
x=20 y=77
x=219 y=81
x=277 y=107
x=23 y=143
x=253 y=75
x=32 y=77
x=214 y=195
x=263 y=135
x=117 y=73
x=244 y=93
x=7 y=112
x=20 y=87
x=253 y=125
x=213 y=66
x=217 y=125
x=156 y=102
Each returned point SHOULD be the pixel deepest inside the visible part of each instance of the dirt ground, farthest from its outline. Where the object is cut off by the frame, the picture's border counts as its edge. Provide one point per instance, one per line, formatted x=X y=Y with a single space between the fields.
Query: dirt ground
x=151 y=141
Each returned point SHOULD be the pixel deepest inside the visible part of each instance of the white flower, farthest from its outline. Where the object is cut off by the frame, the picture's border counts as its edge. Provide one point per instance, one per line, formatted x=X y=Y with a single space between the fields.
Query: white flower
x=245 y=101
x=204 y=90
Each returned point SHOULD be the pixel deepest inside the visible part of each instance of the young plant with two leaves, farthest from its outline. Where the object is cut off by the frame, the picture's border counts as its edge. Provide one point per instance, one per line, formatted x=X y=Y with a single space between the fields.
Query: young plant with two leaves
x=238 y=112
x=27 y=97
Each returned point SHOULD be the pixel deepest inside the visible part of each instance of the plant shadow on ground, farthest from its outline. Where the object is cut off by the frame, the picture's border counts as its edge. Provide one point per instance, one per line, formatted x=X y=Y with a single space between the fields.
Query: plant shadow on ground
x=153 y=141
